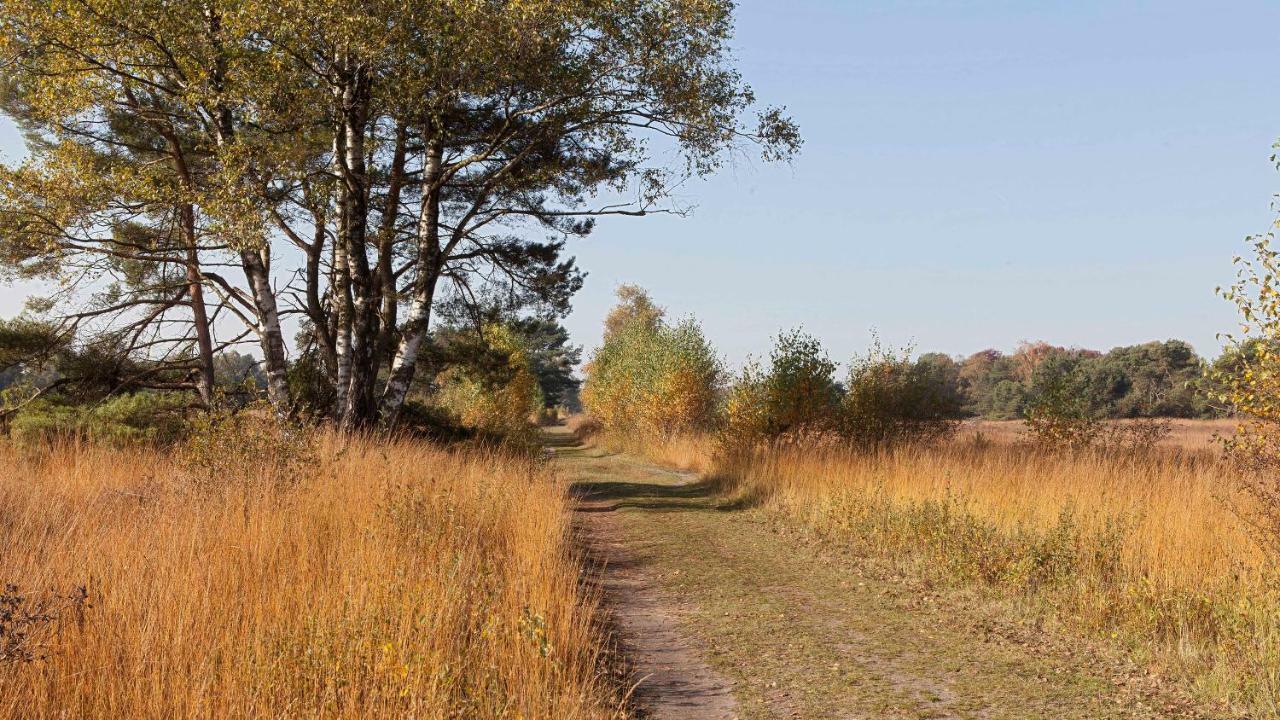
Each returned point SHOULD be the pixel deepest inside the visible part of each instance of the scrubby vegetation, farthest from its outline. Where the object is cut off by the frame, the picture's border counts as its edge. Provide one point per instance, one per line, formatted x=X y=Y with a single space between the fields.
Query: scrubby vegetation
x=649 y=377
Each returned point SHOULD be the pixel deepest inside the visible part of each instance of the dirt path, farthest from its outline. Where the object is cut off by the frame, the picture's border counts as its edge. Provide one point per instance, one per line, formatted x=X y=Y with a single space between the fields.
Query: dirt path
x=674 y=680
x=725 y=613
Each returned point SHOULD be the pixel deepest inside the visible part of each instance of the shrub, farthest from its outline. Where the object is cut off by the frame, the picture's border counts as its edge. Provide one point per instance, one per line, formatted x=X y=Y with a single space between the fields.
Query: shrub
x=1250 y=386
x=797 y=395
x=500 y=397
x=890 y=399
x=248 y=447
x=310 y=387
x=650 y=377
x=149 y=417
x=1062 y=412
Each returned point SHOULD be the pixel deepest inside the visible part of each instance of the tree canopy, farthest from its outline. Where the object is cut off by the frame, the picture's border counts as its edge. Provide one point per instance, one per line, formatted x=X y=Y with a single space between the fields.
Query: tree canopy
x=199 y=172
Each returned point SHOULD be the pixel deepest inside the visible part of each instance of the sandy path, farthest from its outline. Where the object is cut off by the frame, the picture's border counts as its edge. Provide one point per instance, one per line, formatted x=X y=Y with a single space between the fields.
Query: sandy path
x=674 y=681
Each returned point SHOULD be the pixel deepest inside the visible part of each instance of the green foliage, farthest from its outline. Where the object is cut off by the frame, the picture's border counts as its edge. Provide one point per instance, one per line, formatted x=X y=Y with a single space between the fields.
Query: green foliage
x=650 y=376
x=1063 y=412
x=235 y=371
x=551 y=358
x=150 y=417
x=800 y=388
x=497 y=391
x=797 y=394
x=309 y=385
x=24 y=341
x=990 y=385
x=168 y=141
x=890 y=399
x=1155 y=379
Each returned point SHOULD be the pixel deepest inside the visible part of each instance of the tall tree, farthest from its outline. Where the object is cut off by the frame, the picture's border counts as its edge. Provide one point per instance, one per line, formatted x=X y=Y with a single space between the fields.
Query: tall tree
x=406 y=150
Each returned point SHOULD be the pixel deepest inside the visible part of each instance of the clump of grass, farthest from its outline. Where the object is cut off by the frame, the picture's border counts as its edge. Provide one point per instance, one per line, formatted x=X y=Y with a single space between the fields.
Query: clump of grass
x=388 y=579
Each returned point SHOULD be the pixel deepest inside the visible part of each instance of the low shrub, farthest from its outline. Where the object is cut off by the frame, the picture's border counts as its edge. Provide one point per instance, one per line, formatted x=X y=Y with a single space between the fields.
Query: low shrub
x=144 y=417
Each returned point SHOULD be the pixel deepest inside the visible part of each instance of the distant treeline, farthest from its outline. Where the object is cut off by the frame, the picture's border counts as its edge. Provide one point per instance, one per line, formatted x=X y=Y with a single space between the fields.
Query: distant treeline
x=1155 y=379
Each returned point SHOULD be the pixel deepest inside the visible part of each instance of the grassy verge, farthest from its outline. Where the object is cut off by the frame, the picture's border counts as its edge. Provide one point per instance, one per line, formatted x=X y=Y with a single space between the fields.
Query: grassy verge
x=390 y=579
x=1138 y=551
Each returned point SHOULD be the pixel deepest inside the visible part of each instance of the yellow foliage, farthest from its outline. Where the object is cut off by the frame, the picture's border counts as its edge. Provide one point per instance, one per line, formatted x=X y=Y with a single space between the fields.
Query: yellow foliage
x=650 y=377
x=502 y=402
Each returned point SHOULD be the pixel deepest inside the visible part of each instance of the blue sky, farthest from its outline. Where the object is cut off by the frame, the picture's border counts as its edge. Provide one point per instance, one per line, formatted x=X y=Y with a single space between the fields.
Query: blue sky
x=974 y=174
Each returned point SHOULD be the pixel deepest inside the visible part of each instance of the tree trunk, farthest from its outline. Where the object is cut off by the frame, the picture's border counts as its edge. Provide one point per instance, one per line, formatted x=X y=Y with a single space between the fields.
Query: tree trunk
x=341 y=310
x=355 y=361
x=256 y=262
x=429 y=264
x=257 y=271
x=199 y=315
x=385 y=280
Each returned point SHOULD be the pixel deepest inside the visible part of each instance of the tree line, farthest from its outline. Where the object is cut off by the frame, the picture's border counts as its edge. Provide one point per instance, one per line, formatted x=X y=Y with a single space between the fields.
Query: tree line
x=654 y=377
x=199 y=173
x=658 y=377
x=1153 y=379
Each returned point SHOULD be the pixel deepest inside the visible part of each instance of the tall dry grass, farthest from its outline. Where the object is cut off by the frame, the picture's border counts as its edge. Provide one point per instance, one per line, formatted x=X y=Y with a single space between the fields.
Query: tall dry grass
x=1140 y=549
x=395 y=579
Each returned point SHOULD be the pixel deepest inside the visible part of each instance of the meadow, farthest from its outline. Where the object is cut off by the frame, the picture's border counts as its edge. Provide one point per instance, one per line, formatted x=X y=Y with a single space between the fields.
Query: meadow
x=334 y=576
x=1148 y=552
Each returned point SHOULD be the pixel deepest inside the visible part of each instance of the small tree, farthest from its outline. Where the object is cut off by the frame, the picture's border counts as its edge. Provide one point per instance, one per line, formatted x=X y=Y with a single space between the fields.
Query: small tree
x=496 y=397
x=1250 y=387
x=798 y=392
x=649 y=376
x=1062 y=412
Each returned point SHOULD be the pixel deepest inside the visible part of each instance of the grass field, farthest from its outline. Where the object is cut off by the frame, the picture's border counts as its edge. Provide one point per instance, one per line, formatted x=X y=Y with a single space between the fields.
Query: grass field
x=1140 y=550
x=1185 y=434
x=392 y=579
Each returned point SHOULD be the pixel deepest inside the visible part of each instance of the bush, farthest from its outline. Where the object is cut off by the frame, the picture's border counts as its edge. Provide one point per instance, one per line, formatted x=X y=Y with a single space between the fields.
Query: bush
x=144 y=417
x=501 y=398
x=1063 y=413
x=797 y=395
x=650 y=377
x=890 y=399
x=251 y=447
x=1249 y=383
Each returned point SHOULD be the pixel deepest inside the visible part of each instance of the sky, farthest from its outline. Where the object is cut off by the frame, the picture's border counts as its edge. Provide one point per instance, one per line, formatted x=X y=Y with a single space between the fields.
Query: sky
x=974 y=175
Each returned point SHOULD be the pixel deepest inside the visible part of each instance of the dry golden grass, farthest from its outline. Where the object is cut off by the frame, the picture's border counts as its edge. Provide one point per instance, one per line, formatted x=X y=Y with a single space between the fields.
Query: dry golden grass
x=1141 y=549
x=397 y=580
x=1184 y=434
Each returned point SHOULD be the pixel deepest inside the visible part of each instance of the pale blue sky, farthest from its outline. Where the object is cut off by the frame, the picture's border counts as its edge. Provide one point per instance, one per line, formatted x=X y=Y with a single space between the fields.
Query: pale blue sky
x=974 y=174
